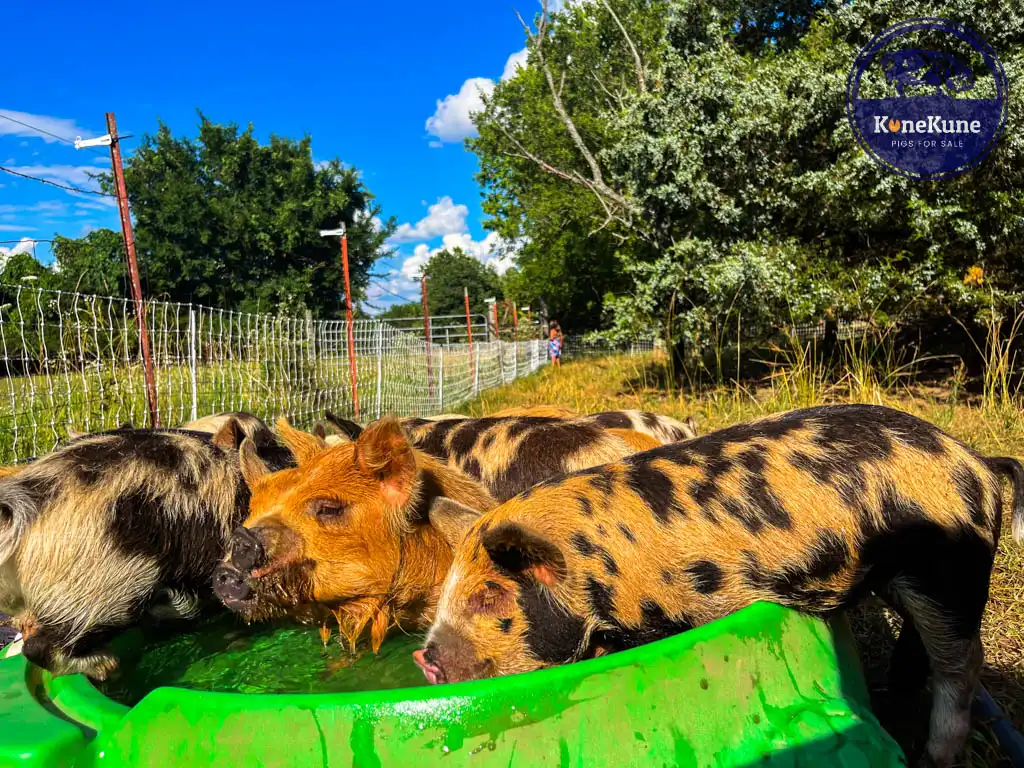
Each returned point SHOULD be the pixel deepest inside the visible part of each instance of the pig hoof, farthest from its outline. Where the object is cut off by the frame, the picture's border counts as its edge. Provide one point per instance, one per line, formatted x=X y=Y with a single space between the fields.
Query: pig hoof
x=97 y=666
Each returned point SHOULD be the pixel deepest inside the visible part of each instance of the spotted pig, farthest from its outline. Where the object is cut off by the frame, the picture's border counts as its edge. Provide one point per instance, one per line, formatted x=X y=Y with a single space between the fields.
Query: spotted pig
x=809 y=509
x=345 y=532
x=509 y=454
x=115 y=525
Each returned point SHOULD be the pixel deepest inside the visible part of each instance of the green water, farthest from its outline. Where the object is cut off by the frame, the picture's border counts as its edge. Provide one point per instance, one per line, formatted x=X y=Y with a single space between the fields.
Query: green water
x=222 y=654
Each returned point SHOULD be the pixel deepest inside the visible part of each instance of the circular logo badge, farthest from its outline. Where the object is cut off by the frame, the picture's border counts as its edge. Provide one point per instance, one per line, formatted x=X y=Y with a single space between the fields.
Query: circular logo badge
x=927 y=98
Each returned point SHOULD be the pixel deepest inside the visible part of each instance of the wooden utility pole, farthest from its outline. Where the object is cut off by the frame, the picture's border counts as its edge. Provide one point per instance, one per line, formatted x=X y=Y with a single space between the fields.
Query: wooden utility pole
x=133 y=268
x=350 y=334
x=426 y=331
x=348 y=322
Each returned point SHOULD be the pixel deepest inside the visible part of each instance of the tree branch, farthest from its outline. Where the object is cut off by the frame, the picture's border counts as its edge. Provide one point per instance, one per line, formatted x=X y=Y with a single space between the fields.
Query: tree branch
x=596 y=181
x=638 y=63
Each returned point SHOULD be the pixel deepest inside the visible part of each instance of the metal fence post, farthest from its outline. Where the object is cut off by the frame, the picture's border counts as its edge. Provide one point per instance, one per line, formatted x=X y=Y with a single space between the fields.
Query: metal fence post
x=380 y=364
x=309 y=336
x=476 y=373
x=440 y=379
x=193 y=373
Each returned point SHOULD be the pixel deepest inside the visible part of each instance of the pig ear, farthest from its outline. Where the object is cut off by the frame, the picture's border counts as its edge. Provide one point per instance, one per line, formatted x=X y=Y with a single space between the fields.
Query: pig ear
x=519 y=552
x=451 y=519
x=253 y=467
x=320 y=431
x=17 y=510
x=383 y=452
x=229 y=436
x=302 y=444
x=691 y=424
x=348 y=428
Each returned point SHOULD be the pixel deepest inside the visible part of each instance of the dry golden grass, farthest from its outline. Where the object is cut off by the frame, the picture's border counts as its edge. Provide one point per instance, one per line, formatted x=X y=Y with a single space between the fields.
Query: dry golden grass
x=992 y=425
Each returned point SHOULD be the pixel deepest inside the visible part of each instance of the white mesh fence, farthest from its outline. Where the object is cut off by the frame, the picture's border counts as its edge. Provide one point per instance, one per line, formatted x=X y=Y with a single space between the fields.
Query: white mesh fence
x=73 y=362
x=580 y=346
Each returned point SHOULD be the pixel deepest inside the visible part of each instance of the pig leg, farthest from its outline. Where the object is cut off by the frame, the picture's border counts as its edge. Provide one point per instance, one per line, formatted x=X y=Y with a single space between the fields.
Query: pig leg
x=908 y=667
x=947 y=617
x=96 y=665
x=176 y=604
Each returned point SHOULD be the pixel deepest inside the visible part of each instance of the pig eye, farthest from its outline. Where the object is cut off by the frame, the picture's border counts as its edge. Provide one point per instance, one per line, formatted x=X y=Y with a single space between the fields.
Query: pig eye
x=6 y=516
x=492 y=599
x=327 y=510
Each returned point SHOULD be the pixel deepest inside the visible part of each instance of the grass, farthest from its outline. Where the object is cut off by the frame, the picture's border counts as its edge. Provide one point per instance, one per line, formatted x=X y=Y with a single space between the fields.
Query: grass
x=990 y=422
x=37 y=411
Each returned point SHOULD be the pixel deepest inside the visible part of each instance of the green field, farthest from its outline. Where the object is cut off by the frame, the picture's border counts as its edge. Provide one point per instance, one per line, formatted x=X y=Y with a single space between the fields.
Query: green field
x=37 y=411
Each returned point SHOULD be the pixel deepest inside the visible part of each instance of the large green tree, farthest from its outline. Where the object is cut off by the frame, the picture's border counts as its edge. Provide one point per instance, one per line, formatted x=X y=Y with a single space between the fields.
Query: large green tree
x=92 y=264
x=540 y=187
x=402 y=311
x=704 y=145
x=222 y=219
x=449 y=272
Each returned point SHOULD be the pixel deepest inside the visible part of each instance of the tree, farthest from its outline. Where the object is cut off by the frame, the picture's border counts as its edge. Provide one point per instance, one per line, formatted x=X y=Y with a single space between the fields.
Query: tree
x=92 y=264
x=709 y=142
x=450 y=271
x=23 y=269
x=536 y=156
x=402 y=311
x=224 y=220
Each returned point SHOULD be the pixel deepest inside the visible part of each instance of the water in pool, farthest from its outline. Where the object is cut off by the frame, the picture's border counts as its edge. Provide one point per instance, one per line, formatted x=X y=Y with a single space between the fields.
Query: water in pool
x=222 y=654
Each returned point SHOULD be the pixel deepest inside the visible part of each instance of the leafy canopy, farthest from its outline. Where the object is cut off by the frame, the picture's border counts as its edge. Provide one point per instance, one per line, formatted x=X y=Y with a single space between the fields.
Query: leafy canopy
x=224 y=220
x=692 y=162
x=448 y=272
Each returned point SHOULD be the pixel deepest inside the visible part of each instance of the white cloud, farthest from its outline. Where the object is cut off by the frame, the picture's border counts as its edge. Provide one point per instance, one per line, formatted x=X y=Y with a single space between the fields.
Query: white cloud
x=413 y=266
x=51 y=207
x=515 y=61
x=89 y=205
x=452 y=120
x=493 y=250
x=393 y=290
x=24 y=246
x=15 y=228
x=75 y=175
x=59 y=126
x=442 y=217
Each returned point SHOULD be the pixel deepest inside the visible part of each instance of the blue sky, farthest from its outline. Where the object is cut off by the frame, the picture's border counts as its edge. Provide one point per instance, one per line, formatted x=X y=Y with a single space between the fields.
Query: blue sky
x=386 y=87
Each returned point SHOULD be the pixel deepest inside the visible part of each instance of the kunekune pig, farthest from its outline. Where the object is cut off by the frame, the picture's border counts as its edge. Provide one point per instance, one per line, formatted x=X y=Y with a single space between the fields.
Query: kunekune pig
x=347 y=531
x=809 y=509
x=114 y=525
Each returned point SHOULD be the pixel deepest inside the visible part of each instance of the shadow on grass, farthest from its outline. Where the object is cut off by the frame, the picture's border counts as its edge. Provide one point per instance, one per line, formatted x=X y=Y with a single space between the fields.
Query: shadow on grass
x=921 y=354
x=906 y=718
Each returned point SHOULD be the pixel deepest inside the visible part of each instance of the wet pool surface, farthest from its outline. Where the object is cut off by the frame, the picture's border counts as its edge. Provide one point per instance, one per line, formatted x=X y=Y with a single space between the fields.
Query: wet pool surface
x=223 y=654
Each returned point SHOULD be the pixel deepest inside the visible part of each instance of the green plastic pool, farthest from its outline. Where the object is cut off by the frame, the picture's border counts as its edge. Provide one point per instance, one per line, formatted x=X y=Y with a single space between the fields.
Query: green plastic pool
x=764 y=686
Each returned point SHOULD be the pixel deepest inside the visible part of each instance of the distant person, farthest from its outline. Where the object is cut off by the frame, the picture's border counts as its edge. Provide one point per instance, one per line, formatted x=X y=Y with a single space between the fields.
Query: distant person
x=555 y=343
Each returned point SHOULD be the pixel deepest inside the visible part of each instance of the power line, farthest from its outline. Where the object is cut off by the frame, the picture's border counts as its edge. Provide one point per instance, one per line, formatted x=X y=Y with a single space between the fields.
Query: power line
x=396 y=295
x=55 y=184
x=23 y=240
x=40 y=130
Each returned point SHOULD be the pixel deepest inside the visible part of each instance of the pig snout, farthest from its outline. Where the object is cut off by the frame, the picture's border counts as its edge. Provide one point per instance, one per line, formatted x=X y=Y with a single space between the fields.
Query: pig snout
x=230 y=585
x=427 y=660
x=246 y=550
